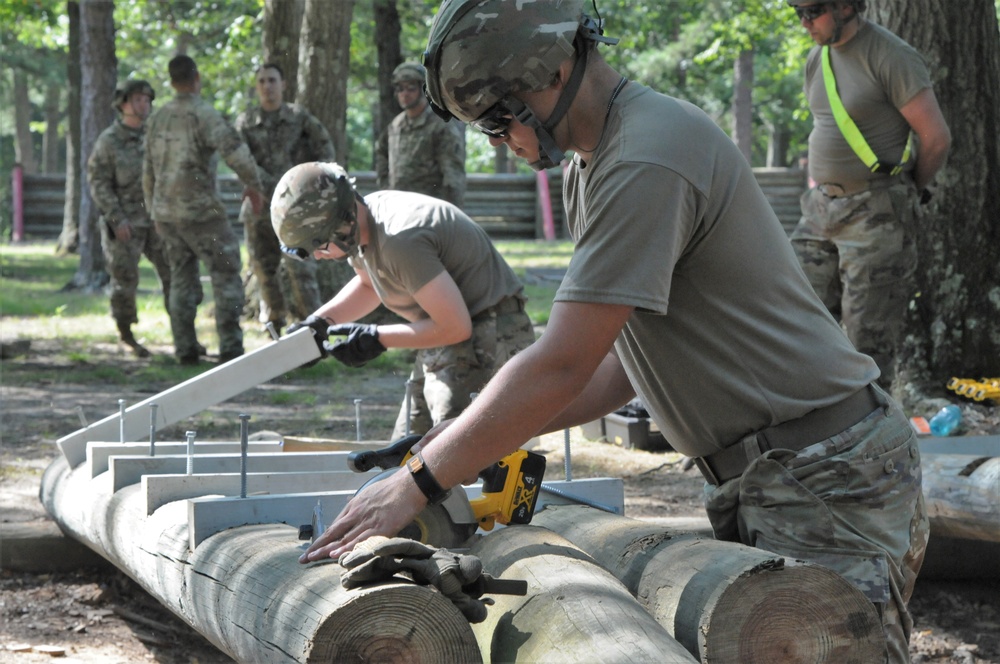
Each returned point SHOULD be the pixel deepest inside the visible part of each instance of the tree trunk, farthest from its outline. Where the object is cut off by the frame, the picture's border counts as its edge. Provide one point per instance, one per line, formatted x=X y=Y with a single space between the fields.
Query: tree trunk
x=954 y=324
x=574 y=611
x=961 y=495
x=324 y=65
x=387 y=30
x=777 y=147
x=24 y=147
x=726 y=602
x=282 y=28
x=244 y=589
x=50 y=142
x=69 y=239
x=743 y=104
x=98 y=67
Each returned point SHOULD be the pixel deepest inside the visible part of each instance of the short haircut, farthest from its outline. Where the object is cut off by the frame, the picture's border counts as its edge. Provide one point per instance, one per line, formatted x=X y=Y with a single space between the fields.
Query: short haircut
x=271 y=65
x=182 y=69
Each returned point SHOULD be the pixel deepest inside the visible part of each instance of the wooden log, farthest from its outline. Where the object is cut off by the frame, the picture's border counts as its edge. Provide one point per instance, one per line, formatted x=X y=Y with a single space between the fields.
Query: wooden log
x=723 y=601
x=575 y=611
x=962 y=494
x=245 y=591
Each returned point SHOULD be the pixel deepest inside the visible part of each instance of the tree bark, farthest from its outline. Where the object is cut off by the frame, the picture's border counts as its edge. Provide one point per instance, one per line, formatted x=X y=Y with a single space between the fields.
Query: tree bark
x=387 y=31
x=954 y=323
x=961 y=496
x=743 y=103
x=24 y=147
x=98 y=67
x=723 y=601
x=50 y=142
x=281 y=31
x=69 y=239
x=244 y=589
x=324 y=65
x=574 y=611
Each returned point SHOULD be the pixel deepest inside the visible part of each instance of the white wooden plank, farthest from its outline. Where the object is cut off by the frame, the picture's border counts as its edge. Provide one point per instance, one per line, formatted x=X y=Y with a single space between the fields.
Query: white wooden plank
x=207 y=516
x=196 y=394
x=162 y=489
x=99 y=453
x=126 y=471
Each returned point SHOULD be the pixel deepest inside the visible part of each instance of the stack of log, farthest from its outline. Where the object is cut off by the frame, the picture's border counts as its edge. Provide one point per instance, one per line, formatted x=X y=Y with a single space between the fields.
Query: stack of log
x=601 y=587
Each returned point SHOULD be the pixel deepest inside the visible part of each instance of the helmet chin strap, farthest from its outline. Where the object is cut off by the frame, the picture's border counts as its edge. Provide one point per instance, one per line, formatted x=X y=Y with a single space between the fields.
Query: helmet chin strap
x=549 y=154
x=839 y=23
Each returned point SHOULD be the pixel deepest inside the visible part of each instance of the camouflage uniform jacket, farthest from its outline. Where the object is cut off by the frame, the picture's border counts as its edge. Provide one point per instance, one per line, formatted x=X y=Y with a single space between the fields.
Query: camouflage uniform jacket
x=282 y=139
x=178 y=175
x=114 y=171
x=423 y=154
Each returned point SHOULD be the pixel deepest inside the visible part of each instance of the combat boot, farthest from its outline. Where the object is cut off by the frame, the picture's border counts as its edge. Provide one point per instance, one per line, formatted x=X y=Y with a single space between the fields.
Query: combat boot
x=125 y=332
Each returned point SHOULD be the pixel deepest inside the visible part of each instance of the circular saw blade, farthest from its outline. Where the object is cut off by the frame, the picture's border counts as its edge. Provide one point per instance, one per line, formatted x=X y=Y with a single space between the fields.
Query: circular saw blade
x=447 y=525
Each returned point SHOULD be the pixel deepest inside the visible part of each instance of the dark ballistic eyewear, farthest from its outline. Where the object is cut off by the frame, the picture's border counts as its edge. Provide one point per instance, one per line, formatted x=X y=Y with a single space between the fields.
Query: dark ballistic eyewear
x=811 y=12
x=494 y=122
x=406 y=87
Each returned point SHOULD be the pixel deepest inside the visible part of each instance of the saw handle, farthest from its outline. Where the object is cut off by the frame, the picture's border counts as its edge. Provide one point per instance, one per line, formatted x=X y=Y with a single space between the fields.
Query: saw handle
x=387 y=457
x=489 y=585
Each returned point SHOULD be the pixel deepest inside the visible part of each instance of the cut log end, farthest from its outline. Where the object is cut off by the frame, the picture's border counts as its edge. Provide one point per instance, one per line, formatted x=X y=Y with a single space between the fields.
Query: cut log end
x=768 y=618
x=417 y=625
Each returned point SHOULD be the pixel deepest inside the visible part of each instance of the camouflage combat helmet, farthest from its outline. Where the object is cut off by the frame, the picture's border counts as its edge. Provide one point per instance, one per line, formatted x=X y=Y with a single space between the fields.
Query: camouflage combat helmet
x=313 y=205
x=408 y=71
x=129 y=87
x=481 y=52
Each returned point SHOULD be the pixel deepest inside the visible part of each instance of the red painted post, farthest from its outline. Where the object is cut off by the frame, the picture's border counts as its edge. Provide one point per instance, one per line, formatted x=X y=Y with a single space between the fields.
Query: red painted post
x=545 y=200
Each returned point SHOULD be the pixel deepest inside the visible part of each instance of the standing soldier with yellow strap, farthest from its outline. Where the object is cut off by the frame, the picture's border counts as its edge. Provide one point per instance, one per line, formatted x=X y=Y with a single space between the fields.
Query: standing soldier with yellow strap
x=878 y=139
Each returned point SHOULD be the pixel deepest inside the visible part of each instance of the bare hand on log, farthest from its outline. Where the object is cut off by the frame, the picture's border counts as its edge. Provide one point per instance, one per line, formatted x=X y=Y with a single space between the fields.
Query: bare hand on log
x=382 y=508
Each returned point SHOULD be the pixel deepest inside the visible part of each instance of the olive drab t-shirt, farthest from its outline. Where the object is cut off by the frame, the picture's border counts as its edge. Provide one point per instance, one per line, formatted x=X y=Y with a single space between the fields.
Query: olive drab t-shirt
x=877 y=74
x=727 y=336
x=414 y=237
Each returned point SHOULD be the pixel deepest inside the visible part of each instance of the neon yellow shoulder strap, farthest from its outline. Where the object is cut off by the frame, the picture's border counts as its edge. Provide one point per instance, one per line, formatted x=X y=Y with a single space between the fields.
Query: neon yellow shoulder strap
x=850 y=130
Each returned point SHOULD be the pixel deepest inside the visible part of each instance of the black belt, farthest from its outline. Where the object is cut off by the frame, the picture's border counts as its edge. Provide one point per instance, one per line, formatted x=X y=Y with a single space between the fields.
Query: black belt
x=508 y=305
x=794 y=435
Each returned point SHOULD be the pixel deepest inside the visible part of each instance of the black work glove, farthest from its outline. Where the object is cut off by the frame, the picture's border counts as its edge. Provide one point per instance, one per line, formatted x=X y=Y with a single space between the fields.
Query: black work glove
x=360 y=347
x=319 y=327
x=379 y=558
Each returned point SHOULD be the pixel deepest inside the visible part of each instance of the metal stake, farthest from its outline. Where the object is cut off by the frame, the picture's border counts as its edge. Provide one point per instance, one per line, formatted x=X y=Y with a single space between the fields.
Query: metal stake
x=83 y=418
x=271 y=330
x=190 y=451
x=409 y=403
x=152 y=429
x=569 y=467
x=121 y=420
x=357 y=417
x=244 y=443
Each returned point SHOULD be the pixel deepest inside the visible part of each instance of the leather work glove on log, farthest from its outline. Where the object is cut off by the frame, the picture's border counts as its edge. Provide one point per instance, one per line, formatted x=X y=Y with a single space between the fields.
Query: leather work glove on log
x=379 y=558
x=360 y=346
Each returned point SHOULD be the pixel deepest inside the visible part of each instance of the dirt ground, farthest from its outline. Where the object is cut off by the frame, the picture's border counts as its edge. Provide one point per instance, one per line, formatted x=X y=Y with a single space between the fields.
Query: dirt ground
x=100 y=615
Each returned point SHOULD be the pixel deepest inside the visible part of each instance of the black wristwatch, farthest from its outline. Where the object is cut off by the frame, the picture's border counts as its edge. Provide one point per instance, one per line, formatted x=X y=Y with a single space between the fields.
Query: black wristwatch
x=426 y=482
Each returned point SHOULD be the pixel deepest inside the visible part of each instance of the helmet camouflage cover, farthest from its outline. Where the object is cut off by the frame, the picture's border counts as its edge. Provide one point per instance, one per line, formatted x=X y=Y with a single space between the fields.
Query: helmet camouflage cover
x=408 y=71
x=130 y=87
x=480 y=51
x=313 y=204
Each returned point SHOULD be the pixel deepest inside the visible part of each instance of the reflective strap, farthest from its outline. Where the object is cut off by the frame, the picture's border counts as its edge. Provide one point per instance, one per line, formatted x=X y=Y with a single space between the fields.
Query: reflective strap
x=850 y=130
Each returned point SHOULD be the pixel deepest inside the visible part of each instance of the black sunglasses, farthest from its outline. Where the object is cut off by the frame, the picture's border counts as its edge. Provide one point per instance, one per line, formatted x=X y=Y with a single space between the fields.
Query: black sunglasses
x=811 y=12
x=495 y=122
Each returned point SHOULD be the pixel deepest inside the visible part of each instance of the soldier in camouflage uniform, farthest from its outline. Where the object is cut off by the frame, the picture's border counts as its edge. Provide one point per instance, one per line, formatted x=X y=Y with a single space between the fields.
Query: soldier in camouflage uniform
x=114 y=171
x=418 y=151
x=682 y=289
x=178 y=181
x=280 y=135
x=855 y=239
x=426 y=261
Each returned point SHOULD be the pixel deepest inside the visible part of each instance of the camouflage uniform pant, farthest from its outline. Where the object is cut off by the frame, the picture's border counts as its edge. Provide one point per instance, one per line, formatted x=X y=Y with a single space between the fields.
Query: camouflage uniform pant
x=122 y=259
x=215 y=244
x=859 y=255
x=443 y=378
x=266 y=260
x=852 y=503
